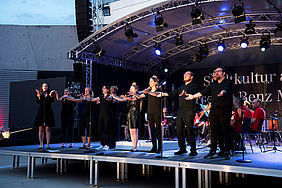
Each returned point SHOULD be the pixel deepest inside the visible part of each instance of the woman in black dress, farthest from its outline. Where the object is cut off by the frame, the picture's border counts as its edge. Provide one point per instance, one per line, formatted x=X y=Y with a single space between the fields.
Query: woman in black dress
x=45 y=117
x=86 y=117
x=67 y=116
x=133 y=116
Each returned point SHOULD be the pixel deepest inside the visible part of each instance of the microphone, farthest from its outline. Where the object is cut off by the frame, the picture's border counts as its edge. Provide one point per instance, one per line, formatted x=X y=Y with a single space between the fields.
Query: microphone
x=163 y=83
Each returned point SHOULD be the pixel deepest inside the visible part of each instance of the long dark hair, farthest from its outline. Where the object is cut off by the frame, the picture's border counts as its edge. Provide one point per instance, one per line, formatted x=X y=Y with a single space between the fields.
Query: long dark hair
x=48 y=90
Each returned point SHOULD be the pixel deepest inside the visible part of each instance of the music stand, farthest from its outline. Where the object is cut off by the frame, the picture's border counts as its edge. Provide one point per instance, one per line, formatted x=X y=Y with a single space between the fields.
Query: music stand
x=245 y=123
x=163 y=83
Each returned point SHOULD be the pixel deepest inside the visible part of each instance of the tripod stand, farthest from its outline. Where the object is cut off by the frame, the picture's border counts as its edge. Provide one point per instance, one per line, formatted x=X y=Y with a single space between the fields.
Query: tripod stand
x=273 y=135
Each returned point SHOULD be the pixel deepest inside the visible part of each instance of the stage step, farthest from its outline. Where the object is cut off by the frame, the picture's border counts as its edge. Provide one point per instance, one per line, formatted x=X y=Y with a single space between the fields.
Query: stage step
x=146 y=145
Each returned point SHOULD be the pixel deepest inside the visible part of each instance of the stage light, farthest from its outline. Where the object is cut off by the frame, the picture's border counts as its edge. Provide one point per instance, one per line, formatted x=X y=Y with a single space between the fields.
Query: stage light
x=106 y=10
x=97 y=50
x=250 y=28
x=220 y=46
x=265 y=41
x=178 y=40
x=278 y=30
x=165 y=67
x=202 y=54
x=158 y=50
x=244 y=42
x=128 y=32
x=159 y=22
x=196 y=15
x=238 y=12
x=204 y=50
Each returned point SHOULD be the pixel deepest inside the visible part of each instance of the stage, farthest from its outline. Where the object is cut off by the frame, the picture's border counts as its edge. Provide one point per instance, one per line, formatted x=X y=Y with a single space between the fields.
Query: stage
x=264 y=164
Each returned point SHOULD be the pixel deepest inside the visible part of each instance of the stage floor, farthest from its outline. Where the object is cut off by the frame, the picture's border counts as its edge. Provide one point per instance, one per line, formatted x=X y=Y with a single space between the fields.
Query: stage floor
x=266 y=164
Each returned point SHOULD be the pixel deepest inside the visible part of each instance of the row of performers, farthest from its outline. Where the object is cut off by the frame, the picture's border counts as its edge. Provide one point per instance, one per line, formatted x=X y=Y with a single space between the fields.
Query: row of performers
x=221 y=92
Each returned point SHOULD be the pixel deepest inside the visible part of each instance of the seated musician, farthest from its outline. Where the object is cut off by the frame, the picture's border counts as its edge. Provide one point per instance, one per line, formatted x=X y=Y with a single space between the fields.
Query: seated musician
x=240 y=123
x=259 y=117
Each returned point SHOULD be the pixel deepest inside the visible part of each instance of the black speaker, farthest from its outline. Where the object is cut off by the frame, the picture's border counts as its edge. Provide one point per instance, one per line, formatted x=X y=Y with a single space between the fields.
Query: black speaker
x=78 y=73
x=84 y=22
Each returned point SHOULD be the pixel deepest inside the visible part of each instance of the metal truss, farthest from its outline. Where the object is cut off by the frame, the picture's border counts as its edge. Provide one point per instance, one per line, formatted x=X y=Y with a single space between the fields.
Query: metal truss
x=231 y=45
x=86 y=56
x=207 y=40
x=131 y=19
x=97 y=14
x=217 y=21
x=88 y=73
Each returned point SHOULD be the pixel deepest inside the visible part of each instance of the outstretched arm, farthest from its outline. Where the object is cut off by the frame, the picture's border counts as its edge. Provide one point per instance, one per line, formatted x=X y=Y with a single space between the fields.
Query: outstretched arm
x=191 y=97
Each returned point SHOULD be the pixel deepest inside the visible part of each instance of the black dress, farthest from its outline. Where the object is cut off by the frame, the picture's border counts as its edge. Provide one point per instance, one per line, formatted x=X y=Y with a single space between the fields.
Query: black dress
x=67 y=113
x=67 y=120
x=133 y=115
x=86 y=121
x=45 y=115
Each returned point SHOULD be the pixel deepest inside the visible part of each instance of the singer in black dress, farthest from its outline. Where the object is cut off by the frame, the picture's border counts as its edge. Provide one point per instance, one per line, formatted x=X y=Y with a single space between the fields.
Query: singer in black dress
x=44 y=119
x=86 y=117
x=67 y=116
x=133 y=115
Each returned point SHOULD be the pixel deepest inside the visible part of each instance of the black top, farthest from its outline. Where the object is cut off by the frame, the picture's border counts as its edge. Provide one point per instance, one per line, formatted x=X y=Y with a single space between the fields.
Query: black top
x=154 y=104
x=106 y=105
x=67 y=108
x=190 y=88
x=215 y=88
x=45 y=115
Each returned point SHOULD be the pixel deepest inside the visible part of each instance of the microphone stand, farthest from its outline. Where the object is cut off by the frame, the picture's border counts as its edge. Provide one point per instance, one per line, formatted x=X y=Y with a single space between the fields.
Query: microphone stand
x=243 y=160
x=162 y=156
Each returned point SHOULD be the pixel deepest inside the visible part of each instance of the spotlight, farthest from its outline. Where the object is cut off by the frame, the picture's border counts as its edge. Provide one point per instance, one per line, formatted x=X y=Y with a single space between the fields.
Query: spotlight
x=265 y=41
x=178 y=40
x=196 y=15
x=158 y=50
x=220 y=46
x=250 y=28
x=204 y=51
x=97 y=50
x=159 y=22
x=238 y=12
x=165 y=66
x=106 y=10
x=244 y=42
x=278 y=30
x=128 y=32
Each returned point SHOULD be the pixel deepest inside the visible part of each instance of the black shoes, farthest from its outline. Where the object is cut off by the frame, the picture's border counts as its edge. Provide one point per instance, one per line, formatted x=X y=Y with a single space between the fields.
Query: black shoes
x=180 y=152
x=210 y=155
x=193 y=153
x=227 y=156
x=152 y=151
x=221 y=153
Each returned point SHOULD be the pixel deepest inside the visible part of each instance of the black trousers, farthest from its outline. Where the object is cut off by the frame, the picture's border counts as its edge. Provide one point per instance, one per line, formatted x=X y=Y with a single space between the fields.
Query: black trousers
x=105 y=129
x=156 y=130
x=220 y=128
x=67 y=134
x=114 y=132
x=184 y=128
